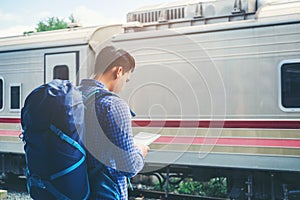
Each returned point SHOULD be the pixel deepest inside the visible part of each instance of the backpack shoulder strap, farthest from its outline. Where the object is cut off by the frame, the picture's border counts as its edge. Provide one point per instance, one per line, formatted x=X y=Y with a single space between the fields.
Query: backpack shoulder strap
x=86 y=100
x=72 y=142
x=97 y=94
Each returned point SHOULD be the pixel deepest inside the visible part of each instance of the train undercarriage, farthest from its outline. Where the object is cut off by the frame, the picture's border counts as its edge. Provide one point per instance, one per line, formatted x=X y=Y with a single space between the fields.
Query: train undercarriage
x=241 y=184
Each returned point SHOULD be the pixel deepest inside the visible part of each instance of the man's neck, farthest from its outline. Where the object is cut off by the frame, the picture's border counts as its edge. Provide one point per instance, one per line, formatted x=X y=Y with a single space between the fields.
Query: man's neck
x=106 y=81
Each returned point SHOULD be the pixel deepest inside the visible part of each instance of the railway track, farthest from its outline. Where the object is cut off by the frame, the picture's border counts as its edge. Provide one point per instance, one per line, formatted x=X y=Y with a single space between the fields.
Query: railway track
x=151 y=194
x=13 y=182
x=15 y=187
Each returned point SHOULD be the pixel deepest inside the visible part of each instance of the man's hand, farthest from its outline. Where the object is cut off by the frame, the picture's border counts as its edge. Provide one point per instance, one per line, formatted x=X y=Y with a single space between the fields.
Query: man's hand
x=143 y=148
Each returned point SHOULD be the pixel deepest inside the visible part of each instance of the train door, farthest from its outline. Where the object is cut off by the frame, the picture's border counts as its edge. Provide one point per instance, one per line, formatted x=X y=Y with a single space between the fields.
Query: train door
x=64 y=65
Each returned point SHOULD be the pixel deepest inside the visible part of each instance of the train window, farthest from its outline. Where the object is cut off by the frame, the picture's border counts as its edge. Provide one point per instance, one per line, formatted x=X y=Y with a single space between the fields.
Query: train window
x=289 y=86
x=1 y=93
x=15 y=97
x=61 y=72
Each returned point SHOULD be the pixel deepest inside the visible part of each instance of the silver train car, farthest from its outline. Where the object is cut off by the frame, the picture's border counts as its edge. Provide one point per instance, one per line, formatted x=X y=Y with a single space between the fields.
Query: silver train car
x=218 y=80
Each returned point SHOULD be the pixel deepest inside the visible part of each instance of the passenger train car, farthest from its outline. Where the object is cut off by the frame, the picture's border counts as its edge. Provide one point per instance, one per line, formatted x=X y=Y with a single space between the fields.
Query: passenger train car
x=218 y=80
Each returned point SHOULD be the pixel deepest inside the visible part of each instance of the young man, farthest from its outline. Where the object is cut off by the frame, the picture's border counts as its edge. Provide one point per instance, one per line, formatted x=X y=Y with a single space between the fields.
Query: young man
x=109 y=140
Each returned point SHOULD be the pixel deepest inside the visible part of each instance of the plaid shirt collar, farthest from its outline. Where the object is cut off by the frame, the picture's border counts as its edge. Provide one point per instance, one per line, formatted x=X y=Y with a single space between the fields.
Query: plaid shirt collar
x=91 y=83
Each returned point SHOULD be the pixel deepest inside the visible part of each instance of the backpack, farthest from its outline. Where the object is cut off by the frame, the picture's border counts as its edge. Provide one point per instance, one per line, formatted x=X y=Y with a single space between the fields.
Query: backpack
x=53 y=129
x=102 y=184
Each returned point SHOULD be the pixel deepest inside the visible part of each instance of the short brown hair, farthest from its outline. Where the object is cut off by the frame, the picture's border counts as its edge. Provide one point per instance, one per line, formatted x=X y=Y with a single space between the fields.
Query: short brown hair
x=110 y=57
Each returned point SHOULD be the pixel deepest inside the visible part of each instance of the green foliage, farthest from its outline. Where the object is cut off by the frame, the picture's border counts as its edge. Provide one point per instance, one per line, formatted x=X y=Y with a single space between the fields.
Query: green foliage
x=190 y=187
x=171 y=188
x=54 y=23
x=216 y=187
x=72 y=19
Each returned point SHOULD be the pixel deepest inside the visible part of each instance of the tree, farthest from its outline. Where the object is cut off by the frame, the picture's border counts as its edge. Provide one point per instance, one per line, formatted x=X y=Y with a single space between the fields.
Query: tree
x=72 y=19
x=54 y=23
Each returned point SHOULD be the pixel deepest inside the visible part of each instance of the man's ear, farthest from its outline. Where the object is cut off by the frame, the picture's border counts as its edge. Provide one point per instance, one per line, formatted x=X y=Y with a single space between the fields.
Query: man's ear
x=118 y=71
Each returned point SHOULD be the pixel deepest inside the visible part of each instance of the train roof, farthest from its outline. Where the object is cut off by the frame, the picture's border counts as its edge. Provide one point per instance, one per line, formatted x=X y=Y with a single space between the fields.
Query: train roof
x=204 y=12
x=64 y=37
x=232 y=3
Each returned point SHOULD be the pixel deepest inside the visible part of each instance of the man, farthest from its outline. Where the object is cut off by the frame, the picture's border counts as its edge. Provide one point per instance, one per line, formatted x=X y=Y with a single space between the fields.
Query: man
x=109 y=139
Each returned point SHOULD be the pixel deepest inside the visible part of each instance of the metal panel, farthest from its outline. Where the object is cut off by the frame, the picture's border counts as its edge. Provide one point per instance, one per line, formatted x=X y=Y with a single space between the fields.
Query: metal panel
x=69 y=59
x=224 y=160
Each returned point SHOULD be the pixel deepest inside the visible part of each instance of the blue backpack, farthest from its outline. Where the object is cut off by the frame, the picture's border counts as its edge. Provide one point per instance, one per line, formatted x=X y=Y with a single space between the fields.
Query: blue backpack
x=53 y=130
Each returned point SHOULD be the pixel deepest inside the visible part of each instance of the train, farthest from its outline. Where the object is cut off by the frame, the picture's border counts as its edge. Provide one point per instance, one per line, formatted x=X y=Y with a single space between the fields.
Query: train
x=219 y=80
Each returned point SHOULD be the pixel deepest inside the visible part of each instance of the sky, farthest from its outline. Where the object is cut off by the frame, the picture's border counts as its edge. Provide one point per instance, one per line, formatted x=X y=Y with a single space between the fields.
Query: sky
x=18 y=16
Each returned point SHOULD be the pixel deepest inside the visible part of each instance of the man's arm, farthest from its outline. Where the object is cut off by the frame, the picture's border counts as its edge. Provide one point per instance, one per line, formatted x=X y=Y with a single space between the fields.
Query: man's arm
x=127 y=158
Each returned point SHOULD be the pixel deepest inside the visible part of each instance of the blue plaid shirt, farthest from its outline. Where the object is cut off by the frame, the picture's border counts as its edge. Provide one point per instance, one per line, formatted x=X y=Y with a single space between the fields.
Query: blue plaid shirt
x=109 y=137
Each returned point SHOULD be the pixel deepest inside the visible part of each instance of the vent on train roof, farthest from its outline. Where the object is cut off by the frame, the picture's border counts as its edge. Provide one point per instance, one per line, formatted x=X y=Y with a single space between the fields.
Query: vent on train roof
x=189 y=9
x=157 y=16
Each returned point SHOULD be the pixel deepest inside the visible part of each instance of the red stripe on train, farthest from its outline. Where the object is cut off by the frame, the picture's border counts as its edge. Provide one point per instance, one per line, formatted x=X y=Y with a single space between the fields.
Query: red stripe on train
x=217 y=124
x=201 y=123
x=10 y=120
x=255 y=142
